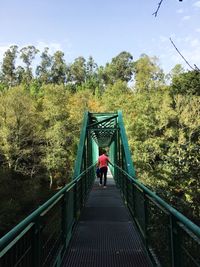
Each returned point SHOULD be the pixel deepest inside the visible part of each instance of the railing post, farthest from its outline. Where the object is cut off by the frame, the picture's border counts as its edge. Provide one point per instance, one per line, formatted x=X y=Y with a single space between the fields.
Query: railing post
x=75 y=201
x=175 y=243
x=145 y=220
x=37 y=246
x=64 y=220
x=85 y=182
x=127 y=198
x=133 y=197
x=82 y=195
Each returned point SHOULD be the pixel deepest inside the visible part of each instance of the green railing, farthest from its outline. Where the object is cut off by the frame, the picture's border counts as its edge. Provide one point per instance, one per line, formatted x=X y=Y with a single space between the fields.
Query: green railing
x=41 y=239
x=170 y=238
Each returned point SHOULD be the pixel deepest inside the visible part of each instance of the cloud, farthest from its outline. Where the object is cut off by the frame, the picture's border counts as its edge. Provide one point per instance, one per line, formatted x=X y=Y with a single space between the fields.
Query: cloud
x=186 y=17
x=164 y=39
x=195 y=42
x=180 y=11
x=197 y=4
x=197 y=30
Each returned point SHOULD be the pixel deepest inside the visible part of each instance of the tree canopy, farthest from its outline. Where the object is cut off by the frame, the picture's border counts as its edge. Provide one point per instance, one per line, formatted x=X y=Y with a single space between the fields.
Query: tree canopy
x=41 y=115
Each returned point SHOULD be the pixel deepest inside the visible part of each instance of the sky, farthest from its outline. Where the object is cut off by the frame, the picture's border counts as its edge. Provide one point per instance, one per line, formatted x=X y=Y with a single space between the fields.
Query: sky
x=104 y=28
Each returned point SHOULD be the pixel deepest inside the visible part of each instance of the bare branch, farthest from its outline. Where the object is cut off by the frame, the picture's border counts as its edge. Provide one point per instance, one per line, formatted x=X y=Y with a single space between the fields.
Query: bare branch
x=156 y=12
x=195 y=66
x=159 y=4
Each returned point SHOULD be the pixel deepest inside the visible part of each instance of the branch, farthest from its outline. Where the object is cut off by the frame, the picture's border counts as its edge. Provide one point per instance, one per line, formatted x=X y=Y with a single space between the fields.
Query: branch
x=195 y=66
x=159 y=4
x=156 y=12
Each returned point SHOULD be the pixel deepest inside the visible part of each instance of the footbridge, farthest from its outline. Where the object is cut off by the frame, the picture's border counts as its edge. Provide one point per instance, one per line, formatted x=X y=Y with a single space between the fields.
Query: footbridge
x=85 y=225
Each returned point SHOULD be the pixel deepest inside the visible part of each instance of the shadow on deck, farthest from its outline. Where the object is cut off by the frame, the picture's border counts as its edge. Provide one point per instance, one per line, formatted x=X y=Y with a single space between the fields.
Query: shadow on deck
x=105 y=235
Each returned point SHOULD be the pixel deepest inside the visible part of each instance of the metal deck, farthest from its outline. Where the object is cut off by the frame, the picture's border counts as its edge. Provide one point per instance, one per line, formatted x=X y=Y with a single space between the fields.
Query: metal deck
x=105 y=235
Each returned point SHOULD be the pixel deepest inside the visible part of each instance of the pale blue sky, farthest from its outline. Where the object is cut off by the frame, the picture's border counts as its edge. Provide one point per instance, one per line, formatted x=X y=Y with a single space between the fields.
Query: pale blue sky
x=104 y=28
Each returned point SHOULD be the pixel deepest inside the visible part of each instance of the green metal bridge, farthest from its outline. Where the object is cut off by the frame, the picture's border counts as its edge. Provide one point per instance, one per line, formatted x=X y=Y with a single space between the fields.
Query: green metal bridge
x=83 y=224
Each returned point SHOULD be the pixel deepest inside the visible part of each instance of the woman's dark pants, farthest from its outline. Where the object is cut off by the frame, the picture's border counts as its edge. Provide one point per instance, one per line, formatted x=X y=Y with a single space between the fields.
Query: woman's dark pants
x=103 y=172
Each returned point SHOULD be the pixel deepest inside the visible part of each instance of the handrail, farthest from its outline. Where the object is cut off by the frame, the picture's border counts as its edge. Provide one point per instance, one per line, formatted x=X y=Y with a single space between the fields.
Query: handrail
x=170 y=238
x=19 y=227
x=183 y=219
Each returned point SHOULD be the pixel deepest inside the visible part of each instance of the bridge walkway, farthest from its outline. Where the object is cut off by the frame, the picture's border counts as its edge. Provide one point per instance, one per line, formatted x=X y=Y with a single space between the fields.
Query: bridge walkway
x=105 y=235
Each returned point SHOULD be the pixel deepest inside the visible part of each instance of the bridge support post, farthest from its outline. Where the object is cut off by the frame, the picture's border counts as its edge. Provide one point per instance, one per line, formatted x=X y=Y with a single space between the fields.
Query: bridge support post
x=175 y=243
x=37 y=244
x=64 y=221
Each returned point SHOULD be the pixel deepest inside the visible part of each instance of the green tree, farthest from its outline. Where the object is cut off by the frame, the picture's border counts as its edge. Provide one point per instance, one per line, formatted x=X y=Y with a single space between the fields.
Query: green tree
x=91 y=68
x=92 y=81
x=77 y=71
x=27 y=54
x=43 y=70
x=18 y=131
x=176 y=71
x=58 y=134
x=187 y=83
x=58 y=68
x=120 y=68
x=147 y=74
x=20 y=74
x=114 y=95
x=8 y=66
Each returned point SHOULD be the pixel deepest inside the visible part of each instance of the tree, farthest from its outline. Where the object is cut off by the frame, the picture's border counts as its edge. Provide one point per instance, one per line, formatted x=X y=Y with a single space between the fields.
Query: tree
x=114 y=95
x=8 y=66
x=27 y=55
x=186 y=83
x=57 y=133
x=20 y=74
x=177 y=70
x=120 y=68
x=148 y=74
x=59 y=68
x=91 y=68
x=18 y=131
x=77 y=71
x=92 y=81
x=43 y=70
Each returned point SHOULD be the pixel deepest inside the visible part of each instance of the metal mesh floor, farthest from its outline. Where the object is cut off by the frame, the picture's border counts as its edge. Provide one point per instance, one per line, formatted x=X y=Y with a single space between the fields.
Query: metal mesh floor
x=105 y=235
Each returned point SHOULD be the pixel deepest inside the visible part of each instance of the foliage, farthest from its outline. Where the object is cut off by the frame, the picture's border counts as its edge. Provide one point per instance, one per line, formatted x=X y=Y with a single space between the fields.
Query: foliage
x=8 y=66
x=120 y=68
x=187 y=83
x=18 y=130
x=41 y=116
x=27 y=54
x=43 y=70
x=148 y=74
x=77 y=71
x=58 y=68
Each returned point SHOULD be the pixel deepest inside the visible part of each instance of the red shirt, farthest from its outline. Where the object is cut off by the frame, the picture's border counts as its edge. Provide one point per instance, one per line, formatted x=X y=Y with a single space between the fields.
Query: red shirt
x=103 y=161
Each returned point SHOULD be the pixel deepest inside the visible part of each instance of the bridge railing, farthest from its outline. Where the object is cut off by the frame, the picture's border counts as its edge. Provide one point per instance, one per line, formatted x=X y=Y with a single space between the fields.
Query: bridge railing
x=170 y=238
x=41 y=239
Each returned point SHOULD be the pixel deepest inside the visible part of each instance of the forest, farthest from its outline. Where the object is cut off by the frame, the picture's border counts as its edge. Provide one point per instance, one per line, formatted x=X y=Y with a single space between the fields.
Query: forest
x=41 y=111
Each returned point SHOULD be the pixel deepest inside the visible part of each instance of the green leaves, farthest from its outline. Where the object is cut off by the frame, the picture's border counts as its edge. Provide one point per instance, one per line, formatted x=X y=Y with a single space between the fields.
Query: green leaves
x=8 y=66
x=18 y=130
x=187 y=83
x=148 y=75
